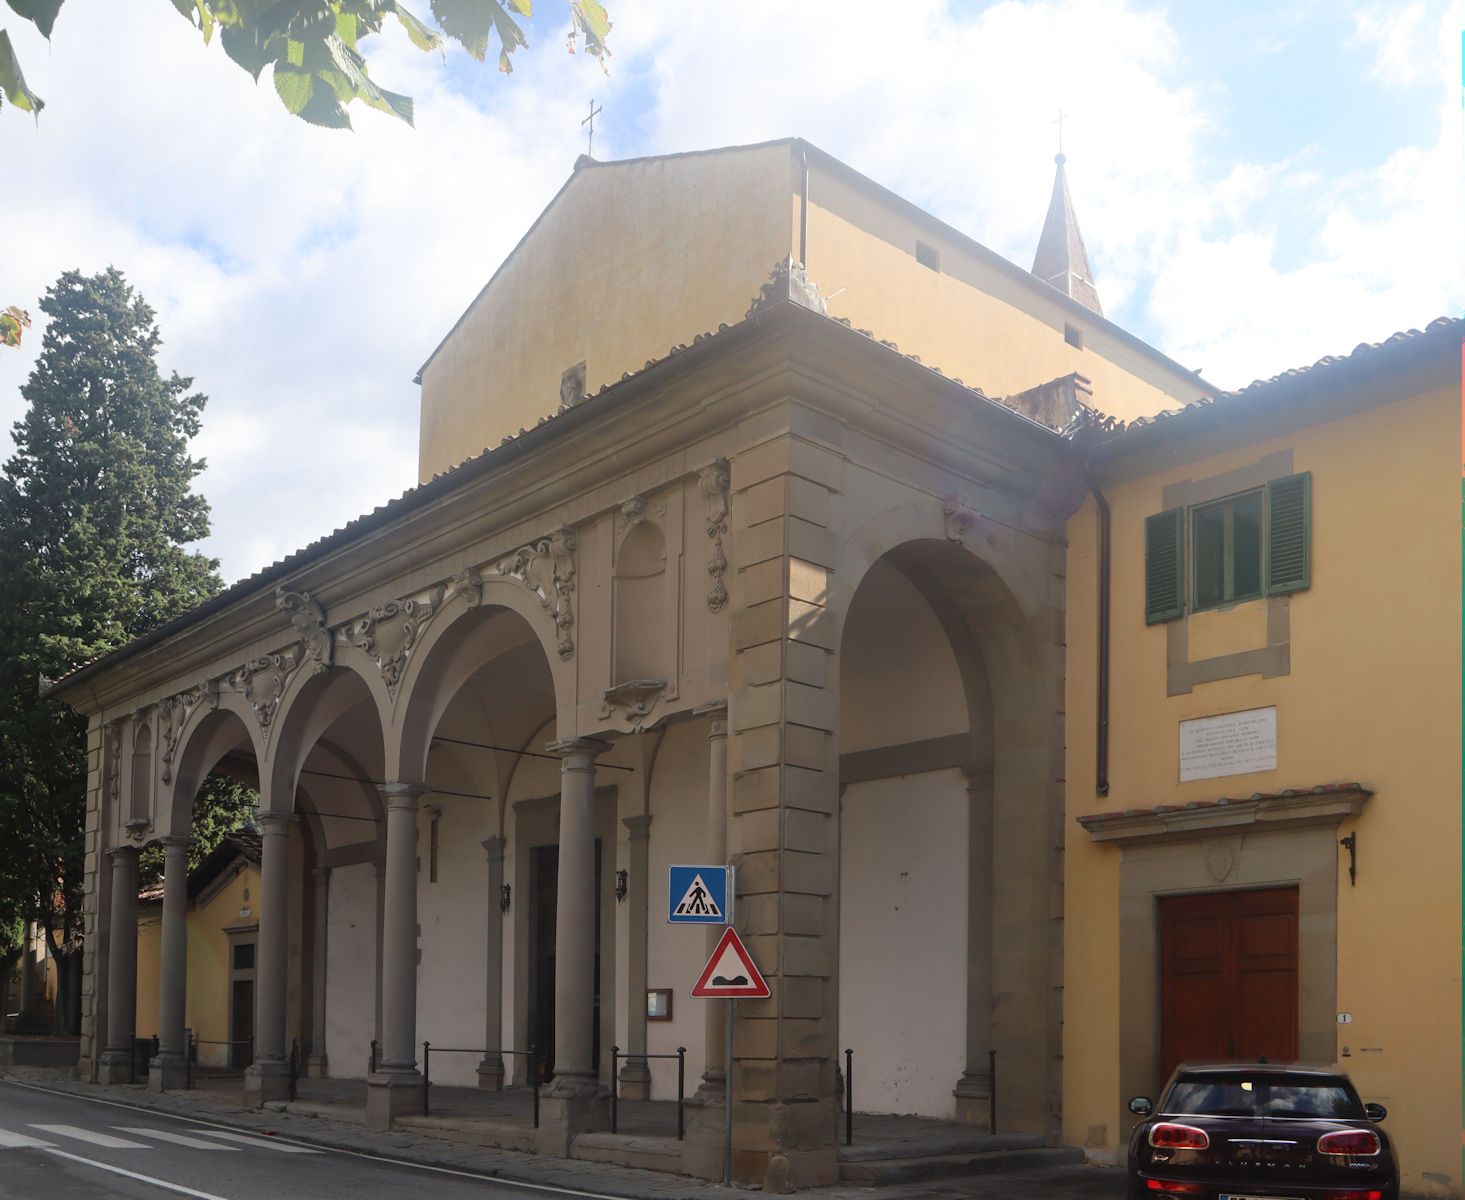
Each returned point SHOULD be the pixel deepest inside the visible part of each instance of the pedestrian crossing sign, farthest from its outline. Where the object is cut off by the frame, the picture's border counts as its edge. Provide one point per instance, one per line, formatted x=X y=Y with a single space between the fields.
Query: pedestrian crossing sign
x=699 y=895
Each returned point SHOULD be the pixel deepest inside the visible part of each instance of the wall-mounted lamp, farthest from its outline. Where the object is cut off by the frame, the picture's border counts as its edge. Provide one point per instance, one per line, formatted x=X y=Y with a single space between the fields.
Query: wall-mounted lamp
x=1350 y=844
x=623 y=884
x=505 y=895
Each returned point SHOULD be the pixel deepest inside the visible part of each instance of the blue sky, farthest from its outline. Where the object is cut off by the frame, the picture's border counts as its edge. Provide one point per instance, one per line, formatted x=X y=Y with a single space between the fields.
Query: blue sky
x=1259 y=184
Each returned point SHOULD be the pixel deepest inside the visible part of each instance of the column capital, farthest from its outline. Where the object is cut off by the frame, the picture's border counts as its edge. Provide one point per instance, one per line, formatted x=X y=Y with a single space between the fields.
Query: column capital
x=578 y=754
x=120 y=853
x=494 y=847
x=173 y=843
x=276 y=823
x=639 y=825
x=402 y=796
x=716 y=714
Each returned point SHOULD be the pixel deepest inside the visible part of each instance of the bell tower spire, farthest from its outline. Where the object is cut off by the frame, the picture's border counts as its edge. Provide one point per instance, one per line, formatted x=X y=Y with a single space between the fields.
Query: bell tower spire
x=1061 y=259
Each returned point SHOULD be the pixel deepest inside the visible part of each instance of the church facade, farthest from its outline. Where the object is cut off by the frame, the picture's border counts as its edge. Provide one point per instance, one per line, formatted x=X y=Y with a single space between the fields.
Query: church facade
x=717 y=557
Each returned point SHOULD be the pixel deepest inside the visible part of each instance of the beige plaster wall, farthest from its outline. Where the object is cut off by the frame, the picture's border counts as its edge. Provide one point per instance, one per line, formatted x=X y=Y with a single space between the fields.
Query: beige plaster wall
x=630 y=260
x=351 y=969
x=1372 y=695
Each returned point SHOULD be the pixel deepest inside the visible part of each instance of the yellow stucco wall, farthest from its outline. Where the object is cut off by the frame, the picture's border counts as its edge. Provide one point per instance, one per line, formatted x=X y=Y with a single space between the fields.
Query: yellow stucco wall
x=1372 y=695
x=633 y=258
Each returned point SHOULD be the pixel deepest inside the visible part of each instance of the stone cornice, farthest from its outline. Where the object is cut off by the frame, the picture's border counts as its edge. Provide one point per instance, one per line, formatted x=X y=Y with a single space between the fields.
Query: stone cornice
x=1323 y=805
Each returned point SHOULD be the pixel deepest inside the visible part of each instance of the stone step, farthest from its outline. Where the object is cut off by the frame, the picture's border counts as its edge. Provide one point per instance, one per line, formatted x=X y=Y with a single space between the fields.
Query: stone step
x=629 y=1150
x=497 y=1135
x=876 y=1172
x=914 y=1138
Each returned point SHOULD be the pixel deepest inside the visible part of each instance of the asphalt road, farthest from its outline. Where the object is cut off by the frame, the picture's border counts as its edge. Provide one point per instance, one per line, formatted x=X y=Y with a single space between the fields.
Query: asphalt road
x=56 y=1147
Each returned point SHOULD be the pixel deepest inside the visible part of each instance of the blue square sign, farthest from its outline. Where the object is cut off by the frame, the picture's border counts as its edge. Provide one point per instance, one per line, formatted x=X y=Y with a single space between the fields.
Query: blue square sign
x=699 y=895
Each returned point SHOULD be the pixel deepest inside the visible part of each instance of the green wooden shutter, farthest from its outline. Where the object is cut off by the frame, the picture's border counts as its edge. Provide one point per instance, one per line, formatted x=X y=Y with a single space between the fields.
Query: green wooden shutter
x=1165 y=566
x=1289 y=549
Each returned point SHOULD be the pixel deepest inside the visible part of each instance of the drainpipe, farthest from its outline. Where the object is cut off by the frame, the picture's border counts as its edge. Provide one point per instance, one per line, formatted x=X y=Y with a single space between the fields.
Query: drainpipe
x=804 y=210
x=1101 y=764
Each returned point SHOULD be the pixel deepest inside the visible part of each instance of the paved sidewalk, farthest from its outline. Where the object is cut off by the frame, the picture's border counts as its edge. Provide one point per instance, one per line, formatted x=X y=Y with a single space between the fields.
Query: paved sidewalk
x=1079 y=1182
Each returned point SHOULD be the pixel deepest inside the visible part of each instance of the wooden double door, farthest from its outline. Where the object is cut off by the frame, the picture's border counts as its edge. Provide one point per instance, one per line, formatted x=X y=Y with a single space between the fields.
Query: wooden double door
x=1228 y=976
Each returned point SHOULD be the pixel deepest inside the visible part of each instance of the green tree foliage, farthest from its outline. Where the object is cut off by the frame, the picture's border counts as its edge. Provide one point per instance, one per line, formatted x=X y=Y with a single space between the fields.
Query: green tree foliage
x=222 y=806
x=96 y=511
x=313 y=47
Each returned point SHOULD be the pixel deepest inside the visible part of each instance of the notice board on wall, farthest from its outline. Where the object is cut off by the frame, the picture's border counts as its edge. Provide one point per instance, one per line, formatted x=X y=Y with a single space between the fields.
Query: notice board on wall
x=1238 y=743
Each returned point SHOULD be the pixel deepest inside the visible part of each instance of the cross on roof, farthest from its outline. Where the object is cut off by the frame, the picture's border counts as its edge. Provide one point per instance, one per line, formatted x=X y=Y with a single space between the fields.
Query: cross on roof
x=1062 y=116
x=590 y=130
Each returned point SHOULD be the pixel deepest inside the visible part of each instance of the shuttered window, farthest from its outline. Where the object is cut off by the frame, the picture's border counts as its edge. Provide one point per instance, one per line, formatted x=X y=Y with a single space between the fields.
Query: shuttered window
x=1165 y=566
x=1222 y=556
x=1289 y=550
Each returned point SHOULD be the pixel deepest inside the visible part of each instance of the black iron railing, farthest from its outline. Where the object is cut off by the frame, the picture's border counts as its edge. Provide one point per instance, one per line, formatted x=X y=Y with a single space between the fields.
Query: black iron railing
x=427 y=1051
x=615 y=1086
x=191 y=1051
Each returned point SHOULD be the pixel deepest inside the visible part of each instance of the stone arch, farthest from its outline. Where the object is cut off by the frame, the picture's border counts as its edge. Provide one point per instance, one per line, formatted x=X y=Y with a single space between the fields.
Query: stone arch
x=453 y=652
x=308 y=710
x=212 y=729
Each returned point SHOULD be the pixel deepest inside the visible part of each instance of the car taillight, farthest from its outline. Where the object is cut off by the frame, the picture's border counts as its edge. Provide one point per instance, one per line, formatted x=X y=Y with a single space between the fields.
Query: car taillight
x=1354 y=1194
x=1166 y=1136
x=1350 y=1141
x=1170 y=1186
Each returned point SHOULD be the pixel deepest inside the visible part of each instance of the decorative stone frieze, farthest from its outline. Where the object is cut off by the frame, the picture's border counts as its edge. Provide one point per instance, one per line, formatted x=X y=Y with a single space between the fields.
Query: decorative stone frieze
x=547 y=568
x=262 y=682
x=389 y=632
x=309 y=621
x=468 y=584
x=114 y=764
x=961 y=515
x=713 y=482
x=173 y=714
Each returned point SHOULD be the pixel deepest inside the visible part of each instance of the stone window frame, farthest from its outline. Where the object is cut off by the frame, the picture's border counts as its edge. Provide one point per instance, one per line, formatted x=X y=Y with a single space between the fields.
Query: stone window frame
x=1269 y=661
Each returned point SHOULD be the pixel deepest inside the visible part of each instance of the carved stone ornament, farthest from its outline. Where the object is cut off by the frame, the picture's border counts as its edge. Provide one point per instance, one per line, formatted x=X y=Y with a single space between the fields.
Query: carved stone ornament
x=114 y=764
x=714 y=482
x=635 y=699
x=389 y=632
x=309 y=621
x=547 y=568
x=262 y=682
x=467 y=583
x=173 y=714
x=633 y=511
x=789 y=281
x=961 y=515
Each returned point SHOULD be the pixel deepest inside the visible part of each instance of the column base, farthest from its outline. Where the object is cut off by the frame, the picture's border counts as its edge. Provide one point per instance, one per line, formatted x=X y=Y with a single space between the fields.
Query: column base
x=635 y=1080
x=779 y=1147
x=266 y=1081
x=711 y=1088
x=168 y=1073
x=317 y=1066
x=567 y=1108
x=973 y=1094
x=116 y=1066
x=491 y=1074
x=393 y=1094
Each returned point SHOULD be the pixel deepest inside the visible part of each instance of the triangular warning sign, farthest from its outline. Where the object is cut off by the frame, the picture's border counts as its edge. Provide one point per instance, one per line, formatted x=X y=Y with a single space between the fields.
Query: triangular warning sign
x=730 y=973
x=697 y=901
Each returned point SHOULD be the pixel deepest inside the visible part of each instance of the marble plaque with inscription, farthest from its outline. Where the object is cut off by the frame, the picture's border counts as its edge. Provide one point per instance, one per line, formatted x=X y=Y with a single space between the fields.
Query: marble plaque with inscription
x=1236 y=743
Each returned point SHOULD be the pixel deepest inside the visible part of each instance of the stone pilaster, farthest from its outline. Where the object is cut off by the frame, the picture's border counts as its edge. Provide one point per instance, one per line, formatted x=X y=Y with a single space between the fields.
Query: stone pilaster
x=635 y=1077
x=713 y=1088
x=973 y=1090
x=782 y=834
x=316 y=1064
x=491 y=1069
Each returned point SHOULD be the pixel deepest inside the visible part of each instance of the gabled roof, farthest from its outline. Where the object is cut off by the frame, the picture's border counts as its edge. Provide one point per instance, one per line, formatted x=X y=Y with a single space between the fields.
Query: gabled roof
x=1061 y=260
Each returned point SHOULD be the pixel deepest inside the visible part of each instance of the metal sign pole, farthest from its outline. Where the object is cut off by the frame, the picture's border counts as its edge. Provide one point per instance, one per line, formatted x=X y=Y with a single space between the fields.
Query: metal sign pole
x=727 y=1113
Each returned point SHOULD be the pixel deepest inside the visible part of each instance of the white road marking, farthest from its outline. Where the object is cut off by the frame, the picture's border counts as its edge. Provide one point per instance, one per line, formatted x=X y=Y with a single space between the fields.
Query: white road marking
x=178 y=1139
x=105 y=1140
x=264 y=1143
x=17 y=1141
x=162 y=1183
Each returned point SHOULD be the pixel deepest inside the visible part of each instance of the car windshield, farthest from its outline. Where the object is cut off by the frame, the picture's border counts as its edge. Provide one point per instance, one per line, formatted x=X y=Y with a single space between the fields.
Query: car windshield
x=1243 y=1095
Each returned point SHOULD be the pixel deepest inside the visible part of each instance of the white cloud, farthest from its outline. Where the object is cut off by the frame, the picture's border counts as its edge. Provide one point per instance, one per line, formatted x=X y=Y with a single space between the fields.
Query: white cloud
x=1398 y=36
x=301 y=276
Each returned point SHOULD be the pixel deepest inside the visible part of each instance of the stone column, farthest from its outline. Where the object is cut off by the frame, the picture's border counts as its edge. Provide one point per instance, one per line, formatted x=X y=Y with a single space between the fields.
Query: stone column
x=573 y=1101
x=396 y=1088
x=268 y=1076
x=115 y=1065
x=635 y=1078
x=316 y=1065
x=491 y=1069
x=713 y=1088
x=973 y=1091
x=170 y=1065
